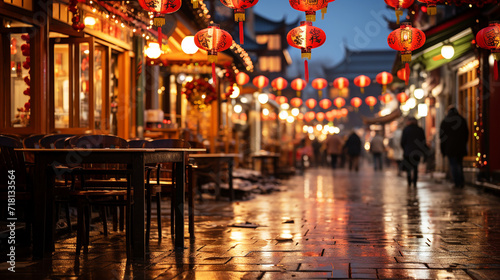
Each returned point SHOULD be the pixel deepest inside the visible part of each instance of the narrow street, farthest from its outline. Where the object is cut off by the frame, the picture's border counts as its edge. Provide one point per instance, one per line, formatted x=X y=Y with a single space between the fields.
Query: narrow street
x=335 y=225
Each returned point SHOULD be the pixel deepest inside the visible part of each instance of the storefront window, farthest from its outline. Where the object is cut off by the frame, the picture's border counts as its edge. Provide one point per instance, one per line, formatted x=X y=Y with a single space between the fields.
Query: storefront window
x=61 y=86
x=99 y=62
x=20 y=79
x=468 y=100
x=84 y=84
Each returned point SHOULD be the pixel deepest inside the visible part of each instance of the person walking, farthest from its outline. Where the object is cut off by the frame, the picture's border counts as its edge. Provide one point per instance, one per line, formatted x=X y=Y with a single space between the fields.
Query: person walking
x=353 y=147
x=397 y=150
x=454 y=135
x=377 y=148
x=414 y=148
x=334 y=145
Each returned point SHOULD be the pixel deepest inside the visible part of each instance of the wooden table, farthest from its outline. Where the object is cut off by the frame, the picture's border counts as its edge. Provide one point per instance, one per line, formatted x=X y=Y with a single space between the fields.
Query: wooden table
x=263 y=156
x=136 y=159
x=167 y=133
x=218 y=159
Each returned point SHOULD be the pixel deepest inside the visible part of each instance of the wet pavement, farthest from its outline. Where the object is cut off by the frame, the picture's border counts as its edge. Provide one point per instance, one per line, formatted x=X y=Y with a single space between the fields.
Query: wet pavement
x=329 y=224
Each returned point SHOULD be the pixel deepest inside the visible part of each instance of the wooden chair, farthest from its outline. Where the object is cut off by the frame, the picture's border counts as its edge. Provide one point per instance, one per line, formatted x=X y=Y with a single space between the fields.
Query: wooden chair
x=49 y=141
x=13 y=168
x=165 y=184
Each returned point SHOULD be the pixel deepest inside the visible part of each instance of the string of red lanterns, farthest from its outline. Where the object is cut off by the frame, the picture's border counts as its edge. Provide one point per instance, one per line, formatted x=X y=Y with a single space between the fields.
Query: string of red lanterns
x=362 y=81
x=309 y=7
x=489 y=38
x=319 y=84
x=279 y=84
x=298 y=85
x=384 y=78
x=239 y=7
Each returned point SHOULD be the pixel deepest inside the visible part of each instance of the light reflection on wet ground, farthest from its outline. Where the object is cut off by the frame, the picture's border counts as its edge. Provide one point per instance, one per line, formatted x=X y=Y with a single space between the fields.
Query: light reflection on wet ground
x=329 y=224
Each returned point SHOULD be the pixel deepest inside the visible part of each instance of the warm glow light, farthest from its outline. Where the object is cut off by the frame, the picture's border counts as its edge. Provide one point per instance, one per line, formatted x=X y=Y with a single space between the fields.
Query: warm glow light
x=447 y=51
x=263 y=98
x=319 y=127
x=188 y=46
x=419 y=93
x=236 y=91
x=412 y=102
x=290 y=119
x=283 y=115
x=237 y=108
x=295 y=112
x=89 y=21
x=285 y=106
x=153 y=50
x=385 y=112
x=244 y=99
x=422 y=110
x=305 y=128
x=310 y=129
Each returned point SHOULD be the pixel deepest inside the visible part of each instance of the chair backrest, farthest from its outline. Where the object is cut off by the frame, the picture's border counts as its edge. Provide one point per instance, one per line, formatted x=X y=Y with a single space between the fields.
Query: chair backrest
x=196 y=144
x=48 y=141
x=12 y=160
x=100 y=141
x=62 y=143
x=136 y=143
x=167 y=143
x=32 y=141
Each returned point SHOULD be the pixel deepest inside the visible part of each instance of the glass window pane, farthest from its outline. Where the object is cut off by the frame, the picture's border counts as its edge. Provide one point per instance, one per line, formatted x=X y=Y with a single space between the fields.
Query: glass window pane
x=20 y=80
x=84 y=85
x=61 y=86
x=98 y=85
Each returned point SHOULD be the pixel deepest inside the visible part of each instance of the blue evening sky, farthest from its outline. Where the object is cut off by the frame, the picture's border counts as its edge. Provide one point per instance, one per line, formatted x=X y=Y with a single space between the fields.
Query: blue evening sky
x=359 y=24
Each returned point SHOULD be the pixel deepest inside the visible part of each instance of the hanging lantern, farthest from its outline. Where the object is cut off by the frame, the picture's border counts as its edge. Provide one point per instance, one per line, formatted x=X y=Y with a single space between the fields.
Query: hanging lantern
x=344 y=112
x=362 y=81
x=330 y=116
x=384 y=78
x=386 y=98
x=300 y=117
x=356 y=102
x=431 y=6
x=489 y=38
x=213 y=39
x=271 y=96
x=371 y=101
x=239 y=7
x=279 y=84
x=260 y=82
x=308 y=6
x=309 y=116
x=159 y=7
x=342 y=84
x=306 y=37
x=325 y=104
x=335 y=113
x=298 y=85
x=319 y=84
x=272 y=116
x=399 y=5
x=320 y=116
x=324 y=9
x=402 y=75
x=281 y=100
x=402 y=97
x=311 y=103
x=296 y=102
x=339 y=102
x=242 y=78
x=406 y=39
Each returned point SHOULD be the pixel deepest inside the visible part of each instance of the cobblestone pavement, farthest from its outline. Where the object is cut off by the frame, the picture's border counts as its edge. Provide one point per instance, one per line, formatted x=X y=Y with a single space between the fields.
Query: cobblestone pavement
x=340 y=225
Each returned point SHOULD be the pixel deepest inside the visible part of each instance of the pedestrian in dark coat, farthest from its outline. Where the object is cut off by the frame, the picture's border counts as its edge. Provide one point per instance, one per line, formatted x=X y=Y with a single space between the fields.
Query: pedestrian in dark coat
x=454 y=135
x=414 y=149
x=353 y=147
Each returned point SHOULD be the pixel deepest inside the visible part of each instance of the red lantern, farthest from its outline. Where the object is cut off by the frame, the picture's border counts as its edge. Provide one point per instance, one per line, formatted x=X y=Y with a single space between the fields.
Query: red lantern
x=402 y=75
x=271 y=96
x=325 y=104
x=239 y=7
x=402 y=97
x=323 y=11
x=330 y=116
x=356 y=102
x=160 y=7
x=339 y=102
x=300 y=117
x=406 y=39
x=335 y=113
x=273 y=116
x=242 y=78
x=344 y=112
x=306 y=37
x=398 y=5
x=384 y=78
x=489 y=38
x=309 y=116
x=296 y=102
x=260 y=82
x=362 y=81
x=213 y=39
x=308 y=6
x=371 y=101
x=386 y=98
x=341 y=83
x=279 y=84
x=311 y=103
x=298 y=85
x=320 y=116
x=431 y=6
x=281 y=100
x=319 y=84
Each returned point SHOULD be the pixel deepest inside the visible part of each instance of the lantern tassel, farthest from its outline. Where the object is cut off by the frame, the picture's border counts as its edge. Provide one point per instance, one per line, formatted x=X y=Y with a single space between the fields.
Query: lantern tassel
x=398 y=14
x=320 y=93
x=306 y=71
x=362 y=90
x=323 y=12
x=160 y=35
x=241 y=33
x=214 y=75
x=407 y=71
x=195 y=3
x=495 y=71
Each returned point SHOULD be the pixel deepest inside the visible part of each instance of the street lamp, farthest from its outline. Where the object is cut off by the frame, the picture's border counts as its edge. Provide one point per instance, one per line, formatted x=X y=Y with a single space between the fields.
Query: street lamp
x=153 y=50
x=188 y=46
x=447 y=51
